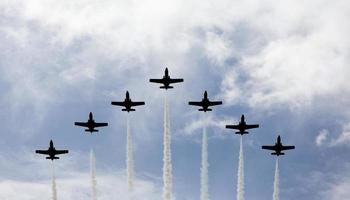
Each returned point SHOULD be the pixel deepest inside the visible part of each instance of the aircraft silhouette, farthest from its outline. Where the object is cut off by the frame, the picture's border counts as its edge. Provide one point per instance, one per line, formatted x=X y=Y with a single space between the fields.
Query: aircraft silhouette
x=278 y=147
x=52 y=152
x=127 y=103
x=90 y=124
x=166 y=80
x=242 y=126
x=205 y=103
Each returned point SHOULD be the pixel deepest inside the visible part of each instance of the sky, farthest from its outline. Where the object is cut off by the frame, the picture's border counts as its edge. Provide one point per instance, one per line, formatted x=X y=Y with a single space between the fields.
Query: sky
x=284 y=64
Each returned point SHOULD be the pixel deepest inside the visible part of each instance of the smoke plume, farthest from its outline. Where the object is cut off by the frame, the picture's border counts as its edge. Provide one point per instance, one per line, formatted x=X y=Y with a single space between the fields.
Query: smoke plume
x=167 y=166
x=129 y=158
x=54 y=190
x=204 y=167
x=240 y=178
x=276 y=182
x=93 y=175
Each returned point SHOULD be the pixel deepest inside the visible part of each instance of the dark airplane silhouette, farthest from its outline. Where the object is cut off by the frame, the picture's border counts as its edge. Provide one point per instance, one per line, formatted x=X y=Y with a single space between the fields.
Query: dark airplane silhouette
x=205 y=103
x=52 y=152
x=166 y=80
x=90 y=124
x=127 y=103
x=242 y=126
x=278 y=147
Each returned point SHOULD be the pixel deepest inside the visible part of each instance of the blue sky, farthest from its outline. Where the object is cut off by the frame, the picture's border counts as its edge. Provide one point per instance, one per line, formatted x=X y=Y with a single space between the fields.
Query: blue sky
x=282 y=64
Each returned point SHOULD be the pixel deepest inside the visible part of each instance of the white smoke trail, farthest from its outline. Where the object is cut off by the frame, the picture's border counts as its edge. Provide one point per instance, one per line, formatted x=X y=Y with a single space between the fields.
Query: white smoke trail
x=240 y=178
x=204 y=168
x=129 y=157
x=167 y=166
x=54 y=190
x=276 y=182
x=93 y=175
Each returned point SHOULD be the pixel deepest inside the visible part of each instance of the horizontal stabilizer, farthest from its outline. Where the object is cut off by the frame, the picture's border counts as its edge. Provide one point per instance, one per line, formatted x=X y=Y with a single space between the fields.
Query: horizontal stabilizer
x=54 y=158
x=277 y=154
x=128 y=109
x=205 y=110
x=163 y=87
x=242 y=133
x=88 y=130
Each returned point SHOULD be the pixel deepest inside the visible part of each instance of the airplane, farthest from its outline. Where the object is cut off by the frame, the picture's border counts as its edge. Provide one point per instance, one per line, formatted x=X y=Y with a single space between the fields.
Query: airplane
x=127 y=103
x=205 y=103
x=51 y=152
x=90 y=124
x=166 y=80
x=242 y=126
x=278 y=147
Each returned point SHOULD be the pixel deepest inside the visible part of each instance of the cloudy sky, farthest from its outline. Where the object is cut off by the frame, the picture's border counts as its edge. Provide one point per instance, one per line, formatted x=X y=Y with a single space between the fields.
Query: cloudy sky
x=284 y=64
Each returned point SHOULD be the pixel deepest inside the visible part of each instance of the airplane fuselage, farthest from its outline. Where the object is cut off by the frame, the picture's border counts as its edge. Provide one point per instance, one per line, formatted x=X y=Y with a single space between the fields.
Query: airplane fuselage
x=205 y=104
x=242 y=126
x=52 y=153
x=166 y=82
x=91 y=125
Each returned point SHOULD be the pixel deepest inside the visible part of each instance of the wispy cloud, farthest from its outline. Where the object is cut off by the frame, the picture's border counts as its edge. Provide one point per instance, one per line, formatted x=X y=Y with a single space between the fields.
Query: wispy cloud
x=321 y=137
x=343 y=138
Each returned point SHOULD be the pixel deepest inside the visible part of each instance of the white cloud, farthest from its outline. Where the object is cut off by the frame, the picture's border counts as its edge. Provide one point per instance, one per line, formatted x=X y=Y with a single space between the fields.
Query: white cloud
x=230 y=91
x=336 y=184
x=288 y=53
x=218 y=48
x=321 y=137
x=343 y=138
x=303 y=54
x=209 y=120
x=77 y=187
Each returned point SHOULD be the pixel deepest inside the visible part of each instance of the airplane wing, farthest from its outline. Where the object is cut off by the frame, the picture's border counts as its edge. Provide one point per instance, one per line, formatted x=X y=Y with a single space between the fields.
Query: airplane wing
x=137 y=103
x=269 y=147
x=288 y=147
x=252 y=126
x=42 y=152
x=176 y=80
x=214 y=103
x=195 y=103
x=156 y=80
x=61 y=152
x=81 y=124
x=100 y=124
x=118 y=103
x=232 y=127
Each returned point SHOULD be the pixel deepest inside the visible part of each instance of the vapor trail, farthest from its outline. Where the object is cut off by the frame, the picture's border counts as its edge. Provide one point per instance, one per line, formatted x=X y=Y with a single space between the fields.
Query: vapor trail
x=167 y=166
x=204 y=167
x=240 y=178
x=276 y=182
x=129 y=157
x=54 y=190
x=93 y=175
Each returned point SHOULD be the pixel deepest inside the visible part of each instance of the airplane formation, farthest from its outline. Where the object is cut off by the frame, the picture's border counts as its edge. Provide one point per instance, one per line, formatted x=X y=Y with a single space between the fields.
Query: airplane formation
x=205 y=105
